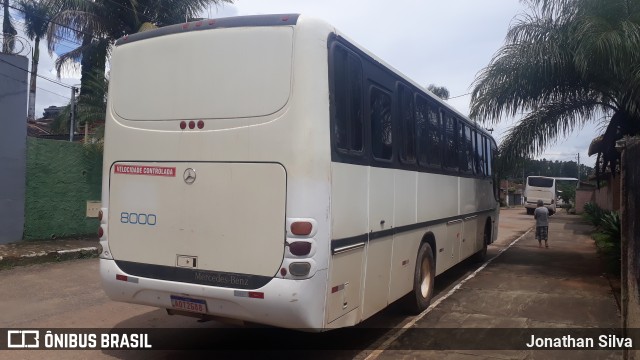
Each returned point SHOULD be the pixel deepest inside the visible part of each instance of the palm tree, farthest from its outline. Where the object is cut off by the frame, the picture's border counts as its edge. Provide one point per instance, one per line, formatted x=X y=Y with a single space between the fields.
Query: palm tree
x=439 y=91
x=100 y=23
x=36 y=15
x=565 y=63
x=8 y=31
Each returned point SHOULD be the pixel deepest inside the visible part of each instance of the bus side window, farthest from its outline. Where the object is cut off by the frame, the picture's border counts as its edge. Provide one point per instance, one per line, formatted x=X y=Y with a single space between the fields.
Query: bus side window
x=488 y=155
x=479 y=155
x=422 y=140
x=465 y=159
x=408 y=150
x=347 y=96
x=380 y=114
x=355 y=104
x=450 y=143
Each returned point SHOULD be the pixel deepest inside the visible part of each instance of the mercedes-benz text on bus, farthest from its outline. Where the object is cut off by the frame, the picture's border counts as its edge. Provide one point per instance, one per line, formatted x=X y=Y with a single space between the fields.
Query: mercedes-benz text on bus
x=267 y=169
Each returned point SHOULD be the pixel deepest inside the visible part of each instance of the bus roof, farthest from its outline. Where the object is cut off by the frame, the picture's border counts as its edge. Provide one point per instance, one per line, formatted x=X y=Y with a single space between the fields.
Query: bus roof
x=207 y=24
x=555 y=177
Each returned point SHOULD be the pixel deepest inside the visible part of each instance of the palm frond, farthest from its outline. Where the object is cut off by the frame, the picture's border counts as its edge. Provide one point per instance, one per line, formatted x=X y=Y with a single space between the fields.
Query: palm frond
x=69 y=60
x=541 y=128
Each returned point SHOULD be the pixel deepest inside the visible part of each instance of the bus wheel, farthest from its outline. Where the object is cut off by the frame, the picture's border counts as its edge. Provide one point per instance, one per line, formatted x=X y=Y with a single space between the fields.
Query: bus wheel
x=418 y=299
x=529 y=211
x=486 y=237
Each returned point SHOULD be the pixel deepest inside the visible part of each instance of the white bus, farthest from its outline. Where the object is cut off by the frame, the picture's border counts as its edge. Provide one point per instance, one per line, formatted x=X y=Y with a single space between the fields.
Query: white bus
x=543 y=188
x=267 y=169
x=540 y=188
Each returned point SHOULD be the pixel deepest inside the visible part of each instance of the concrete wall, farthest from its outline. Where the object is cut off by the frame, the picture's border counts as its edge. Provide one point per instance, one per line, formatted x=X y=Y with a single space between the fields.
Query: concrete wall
x=630 y=246
x=608 y=197
x=13 y=133
x=583 y=196
x=61 y=178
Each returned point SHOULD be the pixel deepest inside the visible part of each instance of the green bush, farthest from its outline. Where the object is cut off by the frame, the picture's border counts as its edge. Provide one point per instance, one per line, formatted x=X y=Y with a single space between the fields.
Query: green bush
x=608 y=235
x=594 y=213
x=610 y=225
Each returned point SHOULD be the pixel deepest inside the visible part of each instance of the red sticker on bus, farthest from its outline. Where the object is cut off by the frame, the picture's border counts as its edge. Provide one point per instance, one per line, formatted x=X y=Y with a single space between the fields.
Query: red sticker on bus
x=145 y=170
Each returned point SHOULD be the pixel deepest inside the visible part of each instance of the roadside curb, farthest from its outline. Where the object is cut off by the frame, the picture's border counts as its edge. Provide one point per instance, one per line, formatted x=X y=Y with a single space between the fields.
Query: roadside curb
x=41 y=257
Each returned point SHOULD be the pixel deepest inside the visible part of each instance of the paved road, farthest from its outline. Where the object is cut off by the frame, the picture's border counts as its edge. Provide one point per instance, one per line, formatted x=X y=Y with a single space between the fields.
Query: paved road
x=69 y=295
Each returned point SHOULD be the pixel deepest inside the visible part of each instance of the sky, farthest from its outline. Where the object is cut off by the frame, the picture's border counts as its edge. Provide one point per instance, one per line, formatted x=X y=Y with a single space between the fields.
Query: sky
x=432 y=42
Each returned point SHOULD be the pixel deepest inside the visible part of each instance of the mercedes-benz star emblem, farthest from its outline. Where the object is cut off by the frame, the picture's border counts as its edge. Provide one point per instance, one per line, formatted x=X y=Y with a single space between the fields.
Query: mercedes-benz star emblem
x=189 y=176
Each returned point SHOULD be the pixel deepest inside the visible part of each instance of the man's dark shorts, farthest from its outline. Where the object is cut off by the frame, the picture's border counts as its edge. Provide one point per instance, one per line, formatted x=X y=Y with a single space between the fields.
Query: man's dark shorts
x=542 y=232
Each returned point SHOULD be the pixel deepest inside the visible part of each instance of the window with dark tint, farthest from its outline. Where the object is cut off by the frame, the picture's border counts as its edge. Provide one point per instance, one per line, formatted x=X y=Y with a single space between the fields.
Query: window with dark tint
x=408 y=151
x=451 y=138
x=540 y=182
x=488 y=156
x=496 y=180
x=479 y=155
x=380 y=115
x=429 y=133
x=347 y=96
x=466 y=148
x=422 y=136
x=436 y=143
x=474 y=154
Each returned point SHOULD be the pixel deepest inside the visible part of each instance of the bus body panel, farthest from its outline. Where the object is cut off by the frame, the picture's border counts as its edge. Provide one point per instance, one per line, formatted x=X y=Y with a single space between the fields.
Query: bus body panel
x=345 y=285
x=403 y=263
x=181 y=83
x=377 y=276
x=223 y=216
x=292 y=304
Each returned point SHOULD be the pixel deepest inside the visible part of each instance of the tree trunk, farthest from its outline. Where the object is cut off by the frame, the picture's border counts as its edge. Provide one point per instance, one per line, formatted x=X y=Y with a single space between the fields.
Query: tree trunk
x=93 y=60
x=31 y=112
x=8 y=32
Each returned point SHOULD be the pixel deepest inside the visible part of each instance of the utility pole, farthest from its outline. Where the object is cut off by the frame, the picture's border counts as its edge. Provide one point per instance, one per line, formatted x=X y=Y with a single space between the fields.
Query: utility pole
x=73 y=112
x=578 y=168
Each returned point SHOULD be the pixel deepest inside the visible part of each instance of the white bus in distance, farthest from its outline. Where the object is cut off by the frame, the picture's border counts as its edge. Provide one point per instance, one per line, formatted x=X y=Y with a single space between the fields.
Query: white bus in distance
x=542 y=188
x=269 y=170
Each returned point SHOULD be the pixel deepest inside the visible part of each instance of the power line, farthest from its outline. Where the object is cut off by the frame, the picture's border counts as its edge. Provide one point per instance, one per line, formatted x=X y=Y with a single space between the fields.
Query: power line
x=44 y=77
x=43 y=89
x=53 y=22
x=63 y=38
x=51 y=92
x=457 y=96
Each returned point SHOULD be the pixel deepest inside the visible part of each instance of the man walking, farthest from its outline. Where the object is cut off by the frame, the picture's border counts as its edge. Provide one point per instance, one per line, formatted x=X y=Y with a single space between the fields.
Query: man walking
x=541 y=214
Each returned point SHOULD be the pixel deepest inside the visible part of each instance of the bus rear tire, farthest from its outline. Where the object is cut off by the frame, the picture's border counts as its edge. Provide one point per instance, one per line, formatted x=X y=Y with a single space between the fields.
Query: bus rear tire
x=529 y=211
x=420 y=297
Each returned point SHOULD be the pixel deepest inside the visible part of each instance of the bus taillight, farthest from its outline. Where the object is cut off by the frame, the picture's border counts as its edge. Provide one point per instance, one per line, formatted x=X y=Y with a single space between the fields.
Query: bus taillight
x=100 y=232
x=299 y=268
x=100 y=215
x=301 y=228
x=300 y=248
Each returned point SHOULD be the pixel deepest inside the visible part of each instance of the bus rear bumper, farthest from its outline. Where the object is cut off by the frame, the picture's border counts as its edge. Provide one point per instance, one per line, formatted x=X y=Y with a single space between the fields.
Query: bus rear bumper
x=295 y=304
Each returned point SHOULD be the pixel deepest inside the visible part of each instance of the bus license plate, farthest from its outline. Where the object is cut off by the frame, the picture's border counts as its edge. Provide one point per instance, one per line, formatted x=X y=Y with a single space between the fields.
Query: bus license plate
x=188 y=304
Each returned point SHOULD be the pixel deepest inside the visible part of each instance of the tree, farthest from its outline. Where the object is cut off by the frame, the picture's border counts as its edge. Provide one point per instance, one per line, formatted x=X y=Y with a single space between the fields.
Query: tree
x=439 y=91
x=36 y=21
x=8 y=31
x=96 y=25
x=566 y=63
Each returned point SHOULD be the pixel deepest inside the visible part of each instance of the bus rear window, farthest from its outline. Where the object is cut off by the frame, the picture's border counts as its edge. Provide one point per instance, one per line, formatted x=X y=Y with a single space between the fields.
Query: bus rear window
x=540 y=182
x=211 y=74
